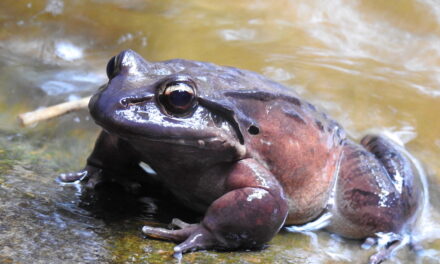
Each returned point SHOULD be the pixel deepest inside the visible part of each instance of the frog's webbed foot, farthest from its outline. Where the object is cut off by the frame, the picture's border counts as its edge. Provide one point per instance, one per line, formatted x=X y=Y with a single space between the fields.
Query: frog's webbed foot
x=194 y=236
x=387 y=245
x=91 y=177
x=383 y=254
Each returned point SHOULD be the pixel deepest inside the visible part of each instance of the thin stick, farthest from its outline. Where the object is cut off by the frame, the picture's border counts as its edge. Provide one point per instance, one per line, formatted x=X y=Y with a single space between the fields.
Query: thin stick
x=29 y=118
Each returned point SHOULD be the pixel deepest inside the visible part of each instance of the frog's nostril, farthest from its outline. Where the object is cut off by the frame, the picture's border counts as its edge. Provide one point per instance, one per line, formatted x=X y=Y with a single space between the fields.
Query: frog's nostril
x=129 y=101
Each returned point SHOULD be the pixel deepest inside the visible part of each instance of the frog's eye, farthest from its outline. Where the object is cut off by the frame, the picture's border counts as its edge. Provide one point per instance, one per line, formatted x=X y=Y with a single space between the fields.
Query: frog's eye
x=178 y=97
x=112 y=67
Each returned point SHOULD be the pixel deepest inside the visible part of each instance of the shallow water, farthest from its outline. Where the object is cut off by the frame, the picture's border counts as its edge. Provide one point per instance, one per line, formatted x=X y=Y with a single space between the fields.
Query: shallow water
x=372 y=65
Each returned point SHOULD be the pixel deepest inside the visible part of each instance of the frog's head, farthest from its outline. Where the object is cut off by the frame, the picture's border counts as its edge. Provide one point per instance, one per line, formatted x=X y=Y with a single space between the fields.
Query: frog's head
x=176 y=101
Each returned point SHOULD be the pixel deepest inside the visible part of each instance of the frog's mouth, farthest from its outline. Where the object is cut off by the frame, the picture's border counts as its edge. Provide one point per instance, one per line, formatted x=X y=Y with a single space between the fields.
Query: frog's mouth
x=214 y=141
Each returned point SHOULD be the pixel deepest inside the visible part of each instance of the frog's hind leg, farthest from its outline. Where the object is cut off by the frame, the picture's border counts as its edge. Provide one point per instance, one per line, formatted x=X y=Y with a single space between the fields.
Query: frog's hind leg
x=401 y=172
x=375 y=191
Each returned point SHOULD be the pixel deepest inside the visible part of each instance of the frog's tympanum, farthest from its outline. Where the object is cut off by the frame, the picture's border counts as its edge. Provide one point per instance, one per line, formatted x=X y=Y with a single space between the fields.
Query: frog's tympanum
x=246 y=152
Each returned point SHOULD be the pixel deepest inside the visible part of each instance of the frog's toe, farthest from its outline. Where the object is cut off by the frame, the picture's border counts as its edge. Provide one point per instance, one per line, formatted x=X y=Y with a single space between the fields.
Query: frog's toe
x=167 y=234
x=199 y=239
x=180 y=224
x=194 y=237
x=380 y=256
x=389 y=245
x=73 y=176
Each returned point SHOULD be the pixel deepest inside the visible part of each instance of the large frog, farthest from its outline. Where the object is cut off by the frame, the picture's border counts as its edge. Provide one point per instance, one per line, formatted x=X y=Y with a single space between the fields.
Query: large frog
x=245 y=151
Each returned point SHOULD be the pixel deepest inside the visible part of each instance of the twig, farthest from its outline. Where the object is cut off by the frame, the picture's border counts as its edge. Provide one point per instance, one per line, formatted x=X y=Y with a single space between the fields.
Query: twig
x=29 y=118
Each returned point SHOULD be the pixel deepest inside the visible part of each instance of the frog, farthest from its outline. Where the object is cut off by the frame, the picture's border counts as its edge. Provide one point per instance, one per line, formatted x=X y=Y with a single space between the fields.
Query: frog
x=246 y=152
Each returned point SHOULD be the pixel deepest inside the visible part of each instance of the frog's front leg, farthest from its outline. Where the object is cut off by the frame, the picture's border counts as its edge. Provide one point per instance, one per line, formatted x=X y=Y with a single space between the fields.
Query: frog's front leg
x=249 y=214
x=111 y=158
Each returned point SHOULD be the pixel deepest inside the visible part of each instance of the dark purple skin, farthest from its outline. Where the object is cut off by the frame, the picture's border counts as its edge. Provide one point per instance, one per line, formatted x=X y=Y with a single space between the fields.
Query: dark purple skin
x=248 y=153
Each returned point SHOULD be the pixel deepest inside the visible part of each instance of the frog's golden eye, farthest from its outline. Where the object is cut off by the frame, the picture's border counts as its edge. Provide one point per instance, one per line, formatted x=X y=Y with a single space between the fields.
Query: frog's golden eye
x=112 y=67
x=178 y=97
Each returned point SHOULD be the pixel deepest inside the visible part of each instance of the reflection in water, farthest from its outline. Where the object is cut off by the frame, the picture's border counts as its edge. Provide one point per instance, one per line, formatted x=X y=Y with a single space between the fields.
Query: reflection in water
x=373 y=65
x=68 y=51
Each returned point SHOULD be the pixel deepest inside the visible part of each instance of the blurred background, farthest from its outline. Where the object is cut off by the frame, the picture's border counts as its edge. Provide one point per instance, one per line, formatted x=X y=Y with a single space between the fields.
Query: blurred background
x=372 y=65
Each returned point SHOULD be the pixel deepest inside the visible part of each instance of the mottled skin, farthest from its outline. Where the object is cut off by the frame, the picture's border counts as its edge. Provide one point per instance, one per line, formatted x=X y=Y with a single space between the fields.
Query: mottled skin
x=248 y=153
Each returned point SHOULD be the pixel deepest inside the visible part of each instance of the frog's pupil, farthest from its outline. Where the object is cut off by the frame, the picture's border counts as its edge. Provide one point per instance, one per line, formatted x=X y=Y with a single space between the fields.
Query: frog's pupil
x=180 y=98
